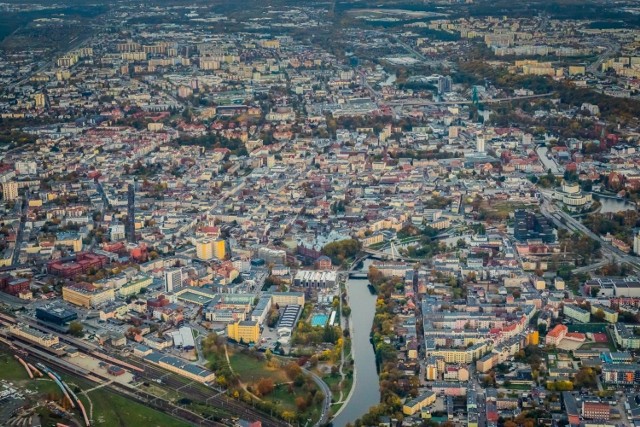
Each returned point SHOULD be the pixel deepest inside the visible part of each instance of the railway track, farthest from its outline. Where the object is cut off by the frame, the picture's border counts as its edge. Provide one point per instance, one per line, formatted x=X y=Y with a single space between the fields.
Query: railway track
x=209 y=396
x=196 y=392
x=139 y=396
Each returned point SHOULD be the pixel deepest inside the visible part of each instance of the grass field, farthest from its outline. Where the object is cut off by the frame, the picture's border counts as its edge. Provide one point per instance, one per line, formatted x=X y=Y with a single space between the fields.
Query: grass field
x=250 y=370
x=109 y=409
x=113 y=410
x=11 y=369
x=333 y=381
x=518 y=387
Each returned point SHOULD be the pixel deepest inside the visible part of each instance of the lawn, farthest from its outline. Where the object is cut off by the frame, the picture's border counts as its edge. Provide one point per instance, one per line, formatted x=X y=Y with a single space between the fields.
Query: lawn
x=11 y=369
x=286 y=400
x=250 y=370
x=518 y=387
x=110 y=409
x=333 y=381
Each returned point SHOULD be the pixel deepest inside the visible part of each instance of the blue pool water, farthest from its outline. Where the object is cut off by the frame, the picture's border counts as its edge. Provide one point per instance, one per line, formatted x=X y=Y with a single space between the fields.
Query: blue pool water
x=319 y=319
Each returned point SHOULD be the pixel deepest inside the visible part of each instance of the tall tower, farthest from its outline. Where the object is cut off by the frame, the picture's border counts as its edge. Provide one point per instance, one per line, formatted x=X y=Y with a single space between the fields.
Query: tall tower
x=172 y=279
x=131 y=215
x=480 y=144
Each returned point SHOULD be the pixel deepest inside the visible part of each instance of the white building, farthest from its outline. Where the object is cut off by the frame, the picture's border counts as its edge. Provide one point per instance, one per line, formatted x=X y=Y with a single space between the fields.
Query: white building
x=172 y=279
x=116 y=232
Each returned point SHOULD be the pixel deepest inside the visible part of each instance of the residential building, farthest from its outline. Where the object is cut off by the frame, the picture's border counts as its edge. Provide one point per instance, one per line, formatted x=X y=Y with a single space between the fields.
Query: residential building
x=413 y=406
x=576 y=313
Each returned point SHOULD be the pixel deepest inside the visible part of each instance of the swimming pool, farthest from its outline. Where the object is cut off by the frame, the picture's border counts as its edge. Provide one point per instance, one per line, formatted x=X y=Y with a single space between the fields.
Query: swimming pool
x=319 y=319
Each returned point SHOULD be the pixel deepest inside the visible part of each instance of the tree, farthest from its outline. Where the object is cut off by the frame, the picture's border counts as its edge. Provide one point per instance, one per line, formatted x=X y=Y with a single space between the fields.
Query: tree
x=342 y=250
x=76 y=329
x=292 y=369
x=264 y=386
x=599 y=314
x=301 y=403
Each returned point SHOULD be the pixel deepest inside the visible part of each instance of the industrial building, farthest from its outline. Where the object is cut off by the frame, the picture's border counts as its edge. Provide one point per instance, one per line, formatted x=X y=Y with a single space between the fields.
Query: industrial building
x=315 y=279
x=180 y=367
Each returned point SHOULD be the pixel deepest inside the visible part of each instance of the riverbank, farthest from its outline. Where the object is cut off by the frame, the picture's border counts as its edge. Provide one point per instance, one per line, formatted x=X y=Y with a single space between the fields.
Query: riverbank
x=355 y=373
x=364 y=391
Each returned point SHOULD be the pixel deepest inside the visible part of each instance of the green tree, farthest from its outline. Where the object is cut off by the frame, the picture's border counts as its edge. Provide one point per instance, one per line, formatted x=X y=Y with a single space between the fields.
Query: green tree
x=76 y=329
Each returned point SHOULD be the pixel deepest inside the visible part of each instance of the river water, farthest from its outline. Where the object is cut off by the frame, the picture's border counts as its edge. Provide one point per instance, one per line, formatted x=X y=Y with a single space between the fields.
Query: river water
x=366 y=391
x=614 y=205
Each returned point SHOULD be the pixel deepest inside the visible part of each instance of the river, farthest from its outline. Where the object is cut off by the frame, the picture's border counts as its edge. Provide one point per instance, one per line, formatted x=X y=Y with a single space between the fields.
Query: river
x=366 y=390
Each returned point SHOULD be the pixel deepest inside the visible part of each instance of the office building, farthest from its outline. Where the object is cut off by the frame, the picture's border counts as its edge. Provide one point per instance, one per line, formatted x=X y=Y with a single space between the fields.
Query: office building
x=528 y=225
x=87 y=295
x=172 y=279
x=56 y=315
x=131 y=215
x=246 y=331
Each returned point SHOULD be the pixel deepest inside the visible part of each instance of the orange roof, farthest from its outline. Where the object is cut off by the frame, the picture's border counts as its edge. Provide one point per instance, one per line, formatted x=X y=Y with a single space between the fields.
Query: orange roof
x=555 y=332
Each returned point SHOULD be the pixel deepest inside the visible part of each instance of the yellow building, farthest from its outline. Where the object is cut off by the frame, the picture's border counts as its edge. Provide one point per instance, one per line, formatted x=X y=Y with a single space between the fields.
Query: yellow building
x=246 y=331
x=270 y=44
x=575 y=70
x=487 y=363
x=413 y=406
x=610 y=315
x=462 y=355
x=432 y=372
x=287 y=298
x=204 y=249
x=372 y=240
x=72 y=240
x=33 y=335
x=6 y=257
x=87 y=296
x=135 y=286
x=219 y=248
x=40 y=100
x=533 y=338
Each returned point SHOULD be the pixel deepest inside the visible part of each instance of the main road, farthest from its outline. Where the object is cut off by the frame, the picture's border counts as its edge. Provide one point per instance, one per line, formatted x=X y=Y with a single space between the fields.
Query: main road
x=326 y=404
x=20 y=234
x=570 y=223
x=417 y=102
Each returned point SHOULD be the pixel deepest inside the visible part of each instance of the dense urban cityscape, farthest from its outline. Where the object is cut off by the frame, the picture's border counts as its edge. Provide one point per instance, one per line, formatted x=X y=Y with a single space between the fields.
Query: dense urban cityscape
x=335 y=213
